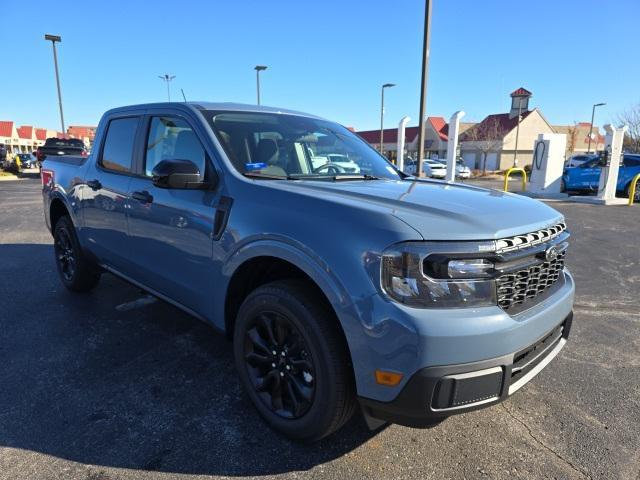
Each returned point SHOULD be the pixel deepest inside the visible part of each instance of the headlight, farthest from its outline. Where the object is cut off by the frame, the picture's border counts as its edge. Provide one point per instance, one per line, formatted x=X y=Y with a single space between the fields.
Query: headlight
x=439 y=275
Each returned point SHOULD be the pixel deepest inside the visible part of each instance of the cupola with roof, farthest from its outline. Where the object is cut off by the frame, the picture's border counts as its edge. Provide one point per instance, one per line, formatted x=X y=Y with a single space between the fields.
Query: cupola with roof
x=519 y=102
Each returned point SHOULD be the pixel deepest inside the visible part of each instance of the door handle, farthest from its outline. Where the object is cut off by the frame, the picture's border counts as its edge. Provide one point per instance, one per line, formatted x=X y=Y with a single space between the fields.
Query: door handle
x=94 y=184
x=143 y=196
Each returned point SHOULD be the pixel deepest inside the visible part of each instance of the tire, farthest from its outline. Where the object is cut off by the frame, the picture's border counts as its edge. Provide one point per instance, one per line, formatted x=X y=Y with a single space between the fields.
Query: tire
x=77 y=273
x=306 y=389
x=627 y=192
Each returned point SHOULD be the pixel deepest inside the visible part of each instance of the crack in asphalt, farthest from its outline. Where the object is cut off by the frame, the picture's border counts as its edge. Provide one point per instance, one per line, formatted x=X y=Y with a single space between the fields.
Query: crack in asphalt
x=546 y=447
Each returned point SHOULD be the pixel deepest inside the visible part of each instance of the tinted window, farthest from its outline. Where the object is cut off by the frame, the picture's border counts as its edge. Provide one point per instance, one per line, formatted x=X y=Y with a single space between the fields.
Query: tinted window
x=631 y=161
x=61 y=142
x=591 y=164
x=118 y=144
x=171 y=138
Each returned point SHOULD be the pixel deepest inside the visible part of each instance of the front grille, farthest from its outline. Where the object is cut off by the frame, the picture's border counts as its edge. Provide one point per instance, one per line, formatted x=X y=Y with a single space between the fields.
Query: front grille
x=517 y=287
x=529 y=239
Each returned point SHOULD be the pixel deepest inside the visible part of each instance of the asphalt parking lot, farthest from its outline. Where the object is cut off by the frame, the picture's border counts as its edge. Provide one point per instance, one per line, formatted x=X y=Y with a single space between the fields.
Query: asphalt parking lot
x=94 y=387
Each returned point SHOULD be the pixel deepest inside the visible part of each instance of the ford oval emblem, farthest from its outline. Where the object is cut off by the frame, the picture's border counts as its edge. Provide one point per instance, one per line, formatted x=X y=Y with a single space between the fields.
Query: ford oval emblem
x=551 y=254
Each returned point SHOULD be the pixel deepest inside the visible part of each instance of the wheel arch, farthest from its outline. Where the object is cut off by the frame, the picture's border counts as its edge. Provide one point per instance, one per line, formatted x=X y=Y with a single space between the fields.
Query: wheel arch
x=57 y=209
x=271 y=261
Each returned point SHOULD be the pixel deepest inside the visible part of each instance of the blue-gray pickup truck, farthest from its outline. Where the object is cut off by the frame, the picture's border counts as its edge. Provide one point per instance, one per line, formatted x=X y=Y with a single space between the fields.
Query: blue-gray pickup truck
x=343 y=283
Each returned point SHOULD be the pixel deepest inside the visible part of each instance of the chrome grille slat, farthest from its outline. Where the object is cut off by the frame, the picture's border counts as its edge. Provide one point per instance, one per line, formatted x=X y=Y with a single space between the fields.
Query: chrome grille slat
x=519 y=242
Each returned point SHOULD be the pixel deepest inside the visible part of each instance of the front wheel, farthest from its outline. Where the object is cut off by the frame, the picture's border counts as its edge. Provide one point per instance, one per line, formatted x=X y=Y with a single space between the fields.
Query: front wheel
x=77 y=273
x=293 y=361
x=636 y=196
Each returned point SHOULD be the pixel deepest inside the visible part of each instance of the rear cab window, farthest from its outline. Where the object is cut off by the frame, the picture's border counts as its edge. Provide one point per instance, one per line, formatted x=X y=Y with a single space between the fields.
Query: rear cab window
x=117 y=151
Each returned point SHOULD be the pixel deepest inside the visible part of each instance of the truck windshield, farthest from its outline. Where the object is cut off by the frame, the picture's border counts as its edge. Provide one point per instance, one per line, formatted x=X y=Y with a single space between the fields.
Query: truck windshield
x=276 y=145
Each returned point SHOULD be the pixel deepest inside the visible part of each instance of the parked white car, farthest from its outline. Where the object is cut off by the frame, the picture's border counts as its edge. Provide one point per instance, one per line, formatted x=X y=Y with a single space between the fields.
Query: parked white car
x=342 y=163
x=431 y=168
x=434 y=169
x=462 y=171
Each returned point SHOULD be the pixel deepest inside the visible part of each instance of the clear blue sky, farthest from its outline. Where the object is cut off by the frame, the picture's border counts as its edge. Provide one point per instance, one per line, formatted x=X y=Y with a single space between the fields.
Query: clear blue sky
x=325 y=57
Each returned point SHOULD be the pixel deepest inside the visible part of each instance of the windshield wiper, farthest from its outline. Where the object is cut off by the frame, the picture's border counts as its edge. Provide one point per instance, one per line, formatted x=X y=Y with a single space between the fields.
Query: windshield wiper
x=352 y=176
x=266 y=176
x=335 y=177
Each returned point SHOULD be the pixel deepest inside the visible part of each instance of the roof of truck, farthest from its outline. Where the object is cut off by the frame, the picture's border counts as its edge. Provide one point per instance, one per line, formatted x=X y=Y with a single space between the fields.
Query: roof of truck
x=229 y=106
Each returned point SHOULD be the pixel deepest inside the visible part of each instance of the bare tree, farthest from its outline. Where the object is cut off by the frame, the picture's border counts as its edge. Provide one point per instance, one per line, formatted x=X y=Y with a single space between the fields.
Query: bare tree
x=572 y=138
x=487 y=137
x=631 y=118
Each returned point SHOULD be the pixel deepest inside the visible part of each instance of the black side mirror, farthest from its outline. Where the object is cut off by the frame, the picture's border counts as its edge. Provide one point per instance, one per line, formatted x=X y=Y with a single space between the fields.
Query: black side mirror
x=177 y=174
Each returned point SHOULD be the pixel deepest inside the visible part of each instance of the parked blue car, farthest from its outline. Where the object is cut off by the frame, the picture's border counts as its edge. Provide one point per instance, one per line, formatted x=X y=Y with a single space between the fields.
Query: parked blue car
x=587 y=176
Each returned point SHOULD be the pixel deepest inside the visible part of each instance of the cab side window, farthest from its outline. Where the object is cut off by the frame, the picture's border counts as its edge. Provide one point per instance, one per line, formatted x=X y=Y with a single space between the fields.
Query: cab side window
x=117 y=153
x=172 y=138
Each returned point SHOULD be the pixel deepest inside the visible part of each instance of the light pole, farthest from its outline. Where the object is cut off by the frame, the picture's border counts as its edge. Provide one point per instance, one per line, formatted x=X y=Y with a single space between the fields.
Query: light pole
x=423 y=85
x=53 y=39
x=258 y=69
x=167 y=78
x=593 y=113
x=386 y=85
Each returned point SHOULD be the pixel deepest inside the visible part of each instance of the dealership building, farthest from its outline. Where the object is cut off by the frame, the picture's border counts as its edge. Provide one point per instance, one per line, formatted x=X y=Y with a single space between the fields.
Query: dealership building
x=495 y=141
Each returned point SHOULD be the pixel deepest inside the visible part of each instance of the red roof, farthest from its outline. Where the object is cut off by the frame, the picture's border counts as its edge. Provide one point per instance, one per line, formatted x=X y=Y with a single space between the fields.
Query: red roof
x=441 y=127
x=41 y=133
x=6 y=129
x=390 y=135
x=410 y=133
x=26 y=131
x=499 y=124
x=521 y=92
x=82 y=132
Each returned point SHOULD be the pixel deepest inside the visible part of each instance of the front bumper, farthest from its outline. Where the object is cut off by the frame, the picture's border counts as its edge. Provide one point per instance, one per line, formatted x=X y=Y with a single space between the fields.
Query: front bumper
x=434 y=393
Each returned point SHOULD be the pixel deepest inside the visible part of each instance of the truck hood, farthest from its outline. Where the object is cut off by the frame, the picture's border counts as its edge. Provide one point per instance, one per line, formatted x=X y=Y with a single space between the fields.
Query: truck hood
x=439 y=210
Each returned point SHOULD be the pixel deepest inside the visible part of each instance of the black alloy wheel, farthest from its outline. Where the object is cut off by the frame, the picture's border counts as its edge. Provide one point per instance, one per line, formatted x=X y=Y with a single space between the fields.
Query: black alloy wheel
x=279 y=365
x=65 y=255
x=76 y=271
x=293 y=360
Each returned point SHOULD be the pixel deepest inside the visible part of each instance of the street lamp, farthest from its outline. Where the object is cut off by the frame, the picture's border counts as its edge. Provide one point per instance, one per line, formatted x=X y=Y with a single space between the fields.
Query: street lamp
x=53 y=39
x=593 y=112
x=386 y=85
x=258 y=69
x=167 y=78
x=423 y=84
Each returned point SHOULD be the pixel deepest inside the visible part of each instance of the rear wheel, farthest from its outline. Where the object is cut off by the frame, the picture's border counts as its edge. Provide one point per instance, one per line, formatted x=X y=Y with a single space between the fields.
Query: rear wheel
x=293 y=361
x=77 y=273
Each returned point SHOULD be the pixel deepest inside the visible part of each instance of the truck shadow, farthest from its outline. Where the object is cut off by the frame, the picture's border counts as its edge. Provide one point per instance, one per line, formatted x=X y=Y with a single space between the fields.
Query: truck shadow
x=143 y=388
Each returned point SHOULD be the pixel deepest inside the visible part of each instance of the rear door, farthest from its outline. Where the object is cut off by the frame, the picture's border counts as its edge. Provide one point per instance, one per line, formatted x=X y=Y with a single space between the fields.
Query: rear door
x=104 y=193
x=171 y=230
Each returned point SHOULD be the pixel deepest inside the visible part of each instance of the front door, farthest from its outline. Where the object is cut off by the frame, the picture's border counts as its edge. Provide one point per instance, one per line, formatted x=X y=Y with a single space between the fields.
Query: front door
x=171 y=229
x=104 y=194
x=589 y=174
